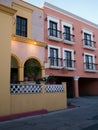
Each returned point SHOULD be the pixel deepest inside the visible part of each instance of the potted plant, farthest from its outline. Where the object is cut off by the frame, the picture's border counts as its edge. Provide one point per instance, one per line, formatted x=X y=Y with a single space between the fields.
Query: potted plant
x=32 y=70
x=51 y=79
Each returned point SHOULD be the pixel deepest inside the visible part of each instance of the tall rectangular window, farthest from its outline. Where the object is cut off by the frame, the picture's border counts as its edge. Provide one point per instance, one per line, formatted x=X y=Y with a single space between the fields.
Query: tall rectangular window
x=87 y=39
x=54 y=56
x=21 y=26
x=68 y=58
x=53 y=28
x=89 y=62
x=67 y=35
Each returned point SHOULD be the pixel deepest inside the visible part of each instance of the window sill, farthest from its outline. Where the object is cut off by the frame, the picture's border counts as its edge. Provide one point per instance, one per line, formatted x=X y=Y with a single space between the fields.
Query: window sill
x=54 y=38
x=68 y=42
x=92 y=71
x=69 y=68
x=55 y=67
x=90 y=48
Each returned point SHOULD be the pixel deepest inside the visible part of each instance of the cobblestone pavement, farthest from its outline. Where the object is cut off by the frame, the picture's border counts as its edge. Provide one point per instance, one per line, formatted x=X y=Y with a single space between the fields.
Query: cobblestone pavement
x=83 y=117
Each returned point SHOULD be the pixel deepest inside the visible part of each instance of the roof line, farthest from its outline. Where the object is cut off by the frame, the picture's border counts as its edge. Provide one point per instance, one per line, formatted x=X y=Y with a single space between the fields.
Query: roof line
x=55 y=8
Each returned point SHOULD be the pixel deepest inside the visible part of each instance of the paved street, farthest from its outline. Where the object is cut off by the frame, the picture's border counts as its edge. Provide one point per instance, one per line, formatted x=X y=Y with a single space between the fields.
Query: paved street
x=83 y=117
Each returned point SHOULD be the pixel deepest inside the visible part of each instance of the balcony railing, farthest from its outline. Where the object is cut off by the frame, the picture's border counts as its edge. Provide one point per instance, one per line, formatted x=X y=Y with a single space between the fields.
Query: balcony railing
x=70 y=64
x=68 y=37
x=89 y=43
x=60 y=63
x=54 y=33
x=55 y=62
x=57 y=35
x=90 y=66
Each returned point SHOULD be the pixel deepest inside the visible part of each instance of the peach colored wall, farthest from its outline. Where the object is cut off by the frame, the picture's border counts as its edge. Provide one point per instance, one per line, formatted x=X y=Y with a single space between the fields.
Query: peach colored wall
x=38 y=25
x=24 y=51
x=37 y=32
x=78 y=46
x=37 y=22
x=7 y=2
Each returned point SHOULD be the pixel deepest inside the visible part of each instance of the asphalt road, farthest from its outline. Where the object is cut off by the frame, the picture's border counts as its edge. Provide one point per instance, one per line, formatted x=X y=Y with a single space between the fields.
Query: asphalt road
x=82 y=117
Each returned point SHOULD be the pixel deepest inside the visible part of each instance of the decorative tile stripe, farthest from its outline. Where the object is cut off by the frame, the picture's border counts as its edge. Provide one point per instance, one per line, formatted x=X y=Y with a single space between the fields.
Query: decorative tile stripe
x=54 y=88
x=25 y=88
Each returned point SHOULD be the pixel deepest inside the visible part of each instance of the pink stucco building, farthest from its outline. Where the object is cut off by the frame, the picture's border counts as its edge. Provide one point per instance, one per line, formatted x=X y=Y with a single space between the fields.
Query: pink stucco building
x=71 y=53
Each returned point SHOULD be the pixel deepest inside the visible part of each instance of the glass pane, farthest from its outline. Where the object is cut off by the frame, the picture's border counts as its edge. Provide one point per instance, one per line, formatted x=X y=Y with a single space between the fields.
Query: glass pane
x=21 y=26
x=54 y=56
x=53 y=28
x=67 y=35
x=87 y=38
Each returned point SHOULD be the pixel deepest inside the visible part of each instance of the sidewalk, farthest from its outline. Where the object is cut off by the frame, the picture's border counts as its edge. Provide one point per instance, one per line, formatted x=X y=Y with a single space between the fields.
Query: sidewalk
x=82 y=117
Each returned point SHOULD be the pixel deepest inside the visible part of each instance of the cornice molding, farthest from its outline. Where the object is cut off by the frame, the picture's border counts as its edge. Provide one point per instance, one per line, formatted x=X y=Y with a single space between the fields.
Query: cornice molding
x=22 y=7
x=31 y=5
x=7 y=10
x=28 y=41
x=69 y=14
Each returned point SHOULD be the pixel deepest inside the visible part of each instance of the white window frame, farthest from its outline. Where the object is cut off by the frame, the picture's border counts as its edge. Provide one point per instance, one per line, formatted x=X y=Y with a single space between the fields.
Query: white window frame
x=92 y=39
x=93 y=62
x=72 y=54
x=70 y=25
x=59 y=54
x=89 y=55
x=88 y=32
x=56 y=20
x=50 y=18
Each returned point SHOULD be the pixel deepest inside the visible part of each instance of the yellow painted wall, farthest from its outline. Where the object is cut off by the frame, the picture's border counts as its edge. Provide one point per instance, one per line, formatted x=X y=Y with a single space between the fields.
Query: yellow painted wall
x=5 y=54
x=21 y=103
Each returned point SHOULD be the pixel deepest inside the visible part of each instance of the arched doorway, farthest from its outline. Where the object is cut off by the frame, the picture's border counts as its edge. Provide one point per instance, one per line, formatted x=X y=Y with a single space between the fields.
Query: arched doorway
x=14 y=70
x=32 y=70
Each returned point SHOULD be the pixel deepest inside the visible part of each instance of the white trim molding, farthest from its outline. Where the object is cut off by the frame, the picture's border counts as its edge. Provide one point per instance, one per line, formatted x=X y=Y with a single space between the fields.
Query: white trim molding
x=71 y=15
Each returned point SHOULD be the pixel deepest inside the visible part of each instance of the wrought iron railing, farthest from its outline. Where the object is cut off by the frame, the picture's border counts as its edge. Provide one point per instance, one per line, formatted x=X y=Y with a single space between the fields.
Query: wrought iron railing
x=54 y=33
x=90 y=66
x=89 y=43
x=59 y=62
x=68 y=37
x=69 y=63
x=54 y=61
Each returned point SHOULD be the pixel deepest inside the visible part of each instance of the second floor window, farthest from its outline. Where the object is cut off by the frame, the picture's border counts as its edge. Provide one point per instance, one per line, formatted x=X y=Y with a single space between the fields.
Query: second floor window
x=87 y=39
x=67 y=33
x=68 y=59
x=21 y=26
x=53 y=29
x=53 y=57
x=89 y=62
